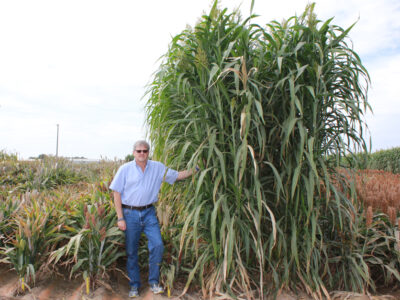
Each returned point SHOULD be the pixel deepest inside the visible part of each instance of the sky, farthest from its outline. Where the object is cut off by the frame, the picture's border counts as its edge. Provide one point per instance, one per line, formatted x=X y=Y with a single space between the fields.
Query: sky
x=84 y=66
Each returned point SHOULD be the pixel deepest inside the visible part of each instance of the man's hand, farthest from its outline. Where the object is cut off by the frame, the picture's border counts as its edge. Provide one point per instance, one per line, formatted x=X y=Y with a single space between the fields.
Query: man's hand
x=118 y=208
x=187 y=173
x=122 y=225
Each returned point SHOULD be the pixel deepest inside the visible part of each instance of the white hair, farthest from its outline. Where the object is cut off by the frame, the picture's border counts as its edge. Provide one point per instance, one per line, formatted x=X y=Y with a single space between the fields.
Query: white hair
x=141 y=143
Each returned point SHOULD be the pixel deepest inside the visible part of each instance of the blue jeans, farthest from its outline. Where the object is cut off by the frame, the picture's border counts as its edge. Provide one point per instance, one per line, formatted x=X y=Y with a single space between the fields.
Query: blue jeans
x=137 y=222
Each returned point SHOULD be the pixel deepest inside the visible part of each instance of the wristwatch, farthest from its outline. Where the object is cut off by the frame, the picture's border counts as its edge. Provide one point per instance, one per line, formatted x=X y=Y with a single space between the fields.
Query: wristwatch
x=120 y=219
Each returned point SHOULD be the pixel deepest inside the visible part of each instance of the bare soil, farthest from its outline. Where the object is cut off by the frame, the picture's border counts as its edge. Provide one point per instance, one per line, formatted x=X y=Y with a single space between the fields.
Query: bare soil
x=60 y=288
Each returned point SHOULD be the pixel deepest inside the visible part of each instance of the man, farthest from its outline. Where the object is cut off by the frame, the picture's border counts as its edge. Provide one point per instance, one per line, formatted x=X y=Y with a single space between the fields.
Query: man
x=136 y=186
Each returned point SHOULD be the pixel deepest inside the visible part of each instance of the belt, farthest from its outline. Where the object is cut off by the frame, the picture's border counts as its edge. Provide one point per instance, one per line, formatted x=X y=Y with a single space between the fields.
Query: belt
x=137 y=207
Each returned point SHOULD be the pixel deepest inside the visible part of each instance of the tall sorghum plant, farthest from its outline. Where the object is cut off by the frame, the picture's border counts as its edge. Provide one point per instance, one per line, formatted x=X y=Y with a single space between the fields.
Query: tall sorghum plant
x=260 y=109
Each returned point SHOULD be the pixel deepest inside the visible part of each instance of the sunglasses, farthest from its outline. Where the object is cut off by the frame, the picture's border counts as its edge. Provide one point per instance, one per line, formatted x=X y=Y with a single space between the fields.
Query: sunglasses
x=140 y=151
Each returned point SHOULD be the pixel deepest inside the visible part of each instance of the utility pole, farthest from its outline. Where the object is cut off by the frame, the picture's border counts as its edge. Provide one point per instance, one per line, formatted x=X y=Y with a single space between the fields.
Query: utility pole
x=57 y=141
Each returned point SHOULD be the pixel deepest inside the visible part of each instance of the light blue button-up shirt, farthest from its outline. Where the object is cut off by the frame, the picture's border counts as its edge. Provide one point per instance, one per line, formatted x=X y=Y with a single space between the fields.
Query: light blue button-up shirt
x=138 y=188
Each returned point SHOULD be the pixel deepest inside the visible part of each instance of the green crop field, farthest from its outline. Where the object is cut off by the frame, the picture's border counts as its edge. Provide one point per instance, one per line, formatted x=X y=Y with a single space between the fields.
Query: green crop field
x=58 y=217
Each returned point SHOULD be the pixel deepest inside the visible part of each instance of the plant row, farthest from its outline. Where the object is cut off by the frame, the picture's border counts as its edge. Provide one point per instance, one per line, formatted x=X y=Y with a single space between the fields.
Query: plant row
x=385 y=160
x=72 y=229
x=56 y=216
x=380 y=191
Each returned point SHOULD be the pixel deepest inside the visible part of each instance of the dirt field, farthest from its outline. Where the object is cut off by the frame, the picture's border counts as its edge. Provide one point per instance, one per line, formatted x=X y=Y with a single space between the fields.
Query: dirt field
x=58 y=288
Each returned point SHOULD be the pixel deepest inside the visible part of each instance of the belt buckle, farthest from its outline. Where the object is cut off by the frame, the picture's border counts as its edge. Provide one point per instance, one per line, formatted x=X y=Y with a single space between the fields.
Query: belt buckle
x=144 y=207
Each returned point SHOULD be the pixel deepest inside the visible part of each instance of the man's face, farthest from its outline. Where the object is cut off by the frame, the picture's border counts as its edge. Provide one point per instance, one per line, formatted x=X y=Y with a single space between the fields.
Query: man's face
x=141 y=153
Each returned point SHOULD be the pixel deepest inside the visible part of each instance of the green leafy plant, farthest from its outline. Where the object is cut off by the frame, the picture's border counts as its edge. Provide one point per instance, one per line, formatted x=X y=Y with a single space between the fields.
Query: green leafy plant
x=93 y=240
x=4 y=156
x=262 y=110
x=40 y=175
x=39 y=203
x=27 y=247
x=129 y=157
x=53 y=172
x=8 y=208
x=387 y=160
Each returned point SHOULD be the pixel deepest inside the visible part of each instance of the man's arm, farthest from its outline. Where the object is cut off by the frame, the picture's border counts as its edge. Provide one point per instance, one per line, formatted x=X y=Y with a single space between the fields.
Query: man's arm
x=118 y=209
x=186 y=173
